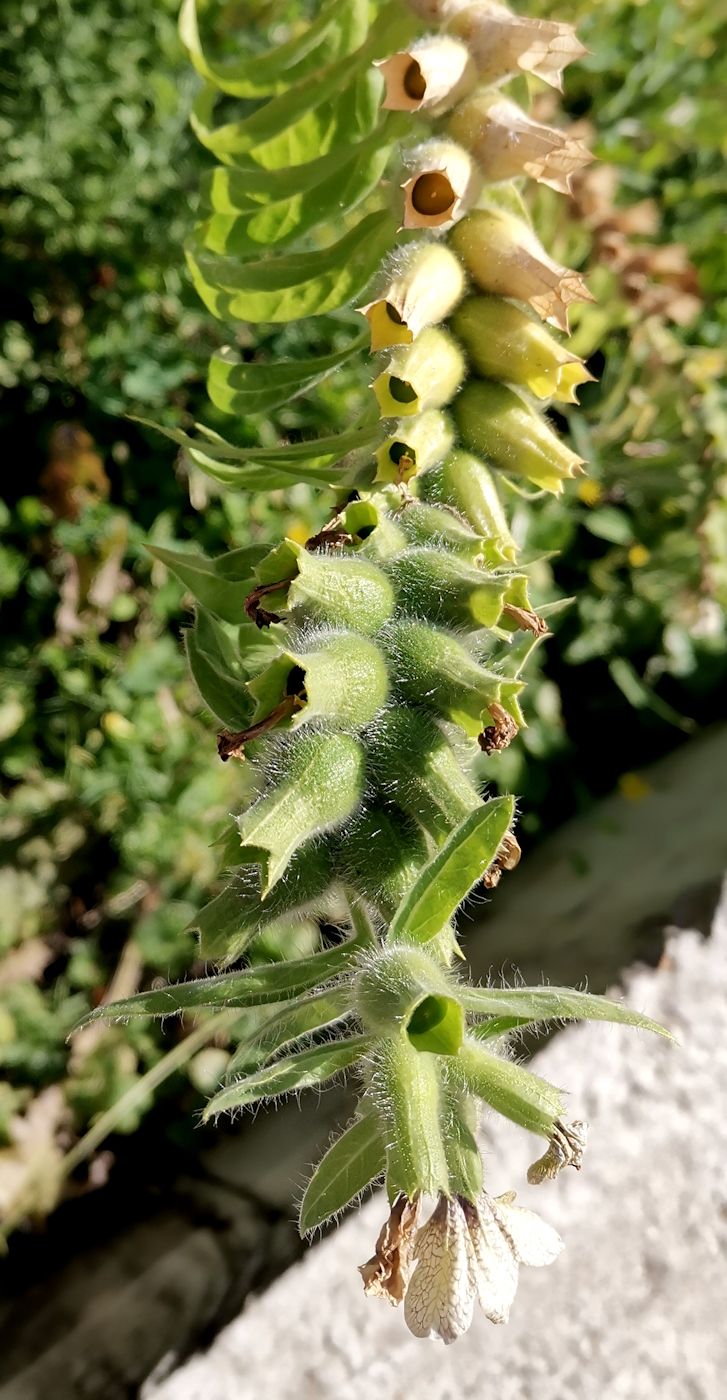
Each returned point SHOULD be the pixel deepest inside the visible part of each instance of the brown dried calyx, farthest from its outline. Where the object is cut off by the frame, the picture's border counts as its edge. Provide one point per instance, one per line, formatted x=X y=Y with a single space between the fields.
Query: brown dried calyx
x=507 y=858
x=507 y=143
x=502 y=43
x=386 y=1274
x=254 y=611
x=565 y=1149
x=233 y=745
x=526 y=620
x=500 y=734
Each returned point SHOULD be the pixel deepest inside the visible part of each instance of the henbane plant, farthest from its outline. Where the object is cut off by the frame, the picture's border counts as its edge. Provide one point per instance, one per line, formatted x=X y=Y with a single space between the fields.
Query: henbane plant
x=378 y=168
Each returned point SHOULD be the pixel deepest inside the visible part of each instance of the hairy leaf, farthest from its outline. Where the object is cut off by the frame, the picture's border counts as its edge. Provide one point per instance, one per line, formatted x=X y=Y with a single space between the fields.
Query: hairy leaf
x=349 y=1166
x=302 y=1071
x=217 y=672
x=254 y=986
x=533 y=1004
x=221 y=585
x=294 y=1020
x=452 y=872
x=514 y=1092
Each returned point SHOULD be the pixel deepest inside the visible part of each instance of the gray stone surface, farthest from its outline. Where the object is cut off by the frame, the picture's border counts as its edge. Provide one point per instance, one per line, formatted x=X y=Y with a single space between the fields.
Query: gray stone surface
x=633 y=1309
x=597 y=894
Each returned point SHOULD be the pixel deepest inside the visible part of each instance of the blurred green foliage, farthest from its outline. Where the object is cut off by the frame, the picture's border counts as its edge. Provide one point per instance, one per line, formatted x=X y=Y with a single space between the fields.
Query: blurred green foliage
x=112 y=798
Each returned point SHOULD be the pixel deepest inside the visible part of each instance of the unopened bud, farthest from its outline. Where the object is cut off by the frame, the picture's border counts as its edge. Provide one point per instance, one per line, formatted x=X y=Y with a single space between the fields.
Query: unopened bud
x=431 y=76
x=504 y=342
x=506 y=257
x=443 y=182
x=434 y=669
x=430 y=525
x=467 y=484
x=447 y=588
x=322 y=782
x=414 y=766
x=507 y=143
x=502 y=43
x=426 y=374
x=424 y=284
x=417 y=444
x=499 y=423
x=345 y=680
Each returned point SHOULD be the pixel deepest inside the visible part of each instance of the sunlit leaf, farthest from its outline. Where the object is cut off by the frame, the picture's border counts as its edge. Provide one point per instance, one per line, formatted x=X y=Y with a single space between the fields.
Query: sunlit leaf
x=452 y=872
x=267 y=469
x=240 y=388
x=302 y=1071
x=529 y=1005
x=341 y=25
x=221 y=585
x=293 y=285
x=276 y=223
x=349 y=1166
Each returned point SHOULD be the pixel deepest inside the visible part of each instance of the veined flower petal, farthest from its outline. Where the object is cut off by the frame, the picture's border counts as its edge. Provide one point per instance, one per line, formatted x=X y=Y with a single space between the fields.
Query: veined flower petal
x=441 y=1296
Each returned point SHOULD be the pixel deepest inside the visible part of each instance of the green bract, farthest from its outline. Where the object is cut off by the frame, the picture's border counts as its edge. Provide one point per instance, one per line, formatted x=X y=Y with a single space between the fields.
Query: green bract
x=371 y=657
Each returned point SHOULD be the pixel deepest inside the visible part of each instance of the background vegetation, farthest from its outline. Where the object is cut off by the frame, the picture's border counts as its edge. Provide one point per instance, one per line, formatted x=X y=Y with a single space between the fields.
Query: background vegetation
x=112 y=795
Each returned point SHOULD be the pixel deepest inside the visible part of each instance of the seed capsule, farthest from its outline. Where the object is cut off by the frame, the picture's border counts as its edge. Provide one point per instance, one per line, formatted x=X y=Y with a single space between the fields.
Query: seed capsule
x=431 y=76
x=443 y=183
x=503 y=342
x=464 y=482
x=422 y=288
x=423 y=375
x=507 y=258
x=507 y=143
x=496 y=421
x=323 y=784
x=417 y=444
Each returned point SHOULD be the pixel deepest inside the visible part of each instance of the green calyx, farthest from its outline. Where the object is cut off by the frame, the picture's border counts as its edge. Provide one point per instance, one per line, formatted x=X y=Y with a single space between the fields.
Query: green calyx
x=344 y=680
x=321 y=784
x=436 y=671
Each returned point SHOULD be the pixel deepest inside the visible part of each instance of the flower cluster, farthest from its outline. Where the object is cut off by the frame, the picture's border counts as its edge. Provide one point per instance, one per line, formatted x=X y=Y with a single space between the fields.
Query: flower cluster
x=363 y=673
